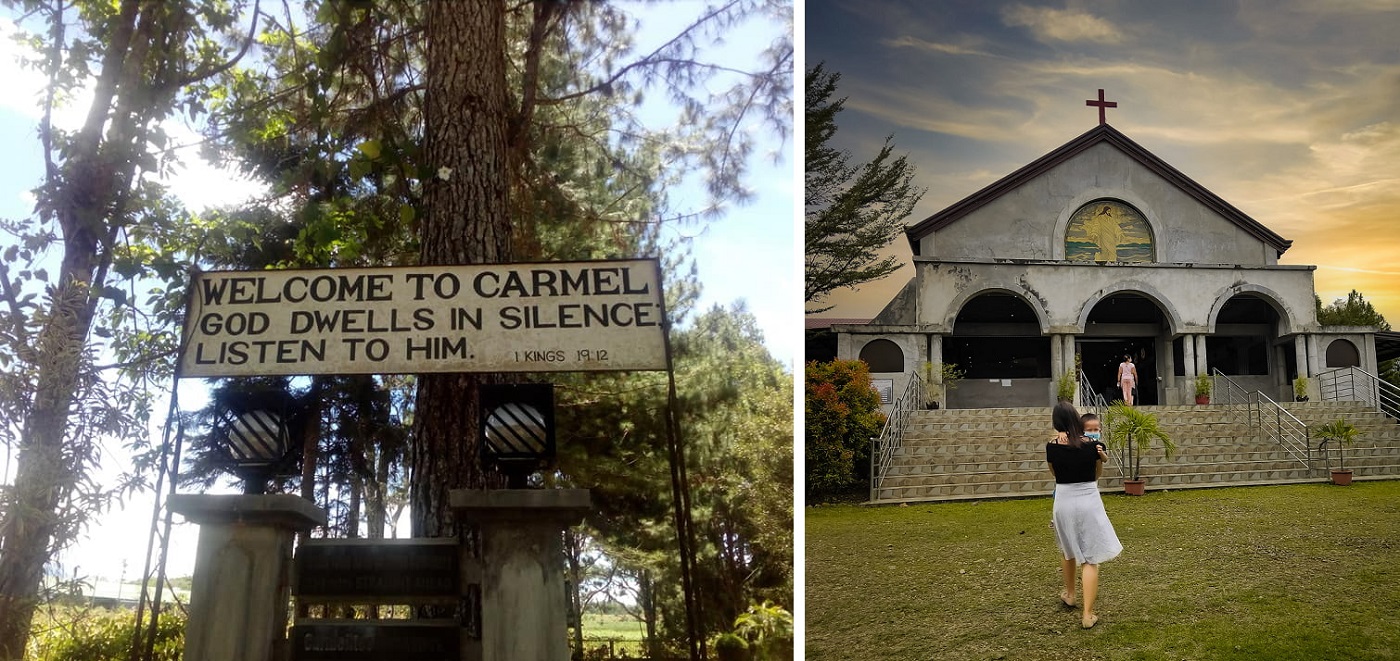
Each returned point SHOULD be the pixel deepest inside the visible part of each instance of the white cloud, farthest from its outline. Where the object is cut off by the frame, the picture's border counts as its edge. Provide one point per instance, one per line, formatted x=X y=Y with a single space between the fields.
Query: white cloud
x=933 y=47
x=1049 y=24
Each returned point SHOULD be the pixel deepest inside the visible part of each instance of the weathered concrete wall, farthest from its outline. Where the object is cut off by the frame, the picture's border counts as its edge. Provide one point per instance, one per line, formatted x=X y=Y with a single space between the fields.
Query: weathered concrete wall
x=1062 y=294
x=1001 y=393
x=1029 y=221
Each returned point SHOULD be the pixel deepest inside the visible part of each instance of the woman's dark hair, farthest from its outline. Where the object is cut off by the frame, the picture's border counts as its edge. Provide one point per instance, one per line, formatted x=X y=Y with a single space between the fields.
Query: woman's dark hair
x=1066 y=419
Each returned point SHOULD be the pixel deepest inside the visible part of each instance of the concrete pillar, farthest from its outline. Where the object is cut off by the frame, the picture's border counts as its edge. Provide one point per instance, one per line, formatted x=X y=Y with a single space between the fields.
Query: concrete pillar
x=1057 y=356
x=523 y=611
x=1313 y=364
x=935 y=357
x=1300 y=348
x=238 y=603
x=1188 y=356
x=1201 y=366
x=1368 y=354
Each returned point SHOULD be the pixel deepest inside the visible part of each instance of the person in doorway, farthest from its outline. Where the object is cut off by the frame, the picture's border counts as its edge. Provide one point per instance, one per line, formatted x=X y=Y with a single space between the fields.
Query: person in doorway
x=1082 y=529
x=1127 y=378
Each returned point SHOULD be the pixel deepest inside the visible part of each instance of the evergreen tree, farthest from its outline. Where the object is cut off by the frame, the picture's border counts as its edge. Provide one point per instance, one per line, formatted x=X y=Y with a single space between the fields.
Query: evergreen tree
x=853 y=211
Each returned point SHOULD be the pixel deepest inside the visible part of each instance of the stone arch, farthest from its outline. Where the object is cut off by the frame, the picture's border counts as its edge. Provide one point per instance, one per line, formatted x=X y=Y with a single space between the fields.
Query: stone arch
x=883 y=356
x=1287 y=320
x=961 y=300
x=1057 y=240
x=1343 y=353
x=1174 y=322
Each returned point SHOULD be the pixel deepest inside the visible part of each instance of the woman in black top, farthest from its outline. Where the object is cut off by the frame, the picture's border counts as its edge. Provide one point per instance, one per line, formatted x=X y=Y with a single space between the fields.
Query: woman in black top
x=1082 y=528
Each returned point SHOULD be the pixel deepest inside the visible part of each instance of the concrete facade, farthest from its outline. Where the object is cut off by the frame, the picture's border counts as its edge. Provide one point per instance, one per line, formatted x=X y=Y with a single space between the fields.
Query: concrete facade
x=1216 y=291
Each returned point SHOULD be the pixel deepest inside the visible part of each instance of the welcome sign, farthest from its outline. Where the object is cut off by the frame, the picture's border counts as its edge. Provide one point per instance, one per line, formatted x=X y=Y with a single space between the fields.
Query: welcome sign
x=542 y=317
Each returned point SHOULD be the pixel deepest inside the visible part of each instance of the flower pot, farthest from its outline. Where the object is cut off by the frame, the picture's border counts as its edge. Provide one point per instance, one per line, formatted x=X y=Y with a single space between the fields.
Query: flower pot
x=1137 y=487
x=1341 y=477
x=1202 y=399
x=1298 y=398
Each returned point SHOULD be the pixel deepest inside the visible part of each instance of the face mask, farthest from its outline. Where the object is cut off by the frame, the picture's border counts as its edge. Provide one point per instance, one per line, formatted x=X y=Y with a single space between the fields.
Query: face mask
x=1092 y=434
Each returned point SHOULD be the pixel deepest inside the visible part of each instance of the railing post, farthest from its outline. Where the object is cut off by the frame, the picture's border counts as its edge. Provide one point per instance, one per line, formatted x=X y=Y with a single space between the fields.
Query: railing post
x=874 y=459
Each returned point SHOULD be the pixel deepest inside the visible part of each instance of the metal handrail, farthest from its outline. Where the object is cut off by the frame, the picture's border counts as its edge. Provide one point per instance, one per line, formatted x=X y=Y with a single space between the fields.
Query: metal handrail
x=1288 y=431
x=1233 y=397
x=1231 y=388
x=884 y=446
x=1357 y=385
x=1095 y=402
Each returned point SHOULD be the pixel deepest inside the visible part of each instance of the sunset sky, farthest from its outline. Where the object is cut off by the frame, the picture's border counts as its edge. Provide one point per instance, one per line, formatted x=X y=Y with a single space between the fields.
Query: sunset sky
x=1288 y=110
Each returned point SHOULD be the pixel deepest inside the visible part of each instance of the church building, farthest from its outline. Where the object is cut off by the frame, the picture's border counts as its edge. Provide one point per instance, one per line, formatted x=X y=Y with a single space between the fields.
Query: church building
x=1097 y=250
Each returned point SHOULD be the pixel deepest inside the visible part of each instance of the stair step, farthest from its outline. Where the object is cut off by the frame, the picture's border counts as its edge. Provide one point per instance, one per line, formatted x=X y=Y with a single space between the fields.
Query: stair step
x=989 y=453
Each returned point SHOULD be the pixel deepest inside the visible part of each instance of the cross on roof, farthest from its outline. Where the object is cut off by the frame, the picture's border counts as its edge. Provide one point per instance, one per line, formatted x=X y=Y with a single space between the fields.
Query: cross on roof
x=1103 y=117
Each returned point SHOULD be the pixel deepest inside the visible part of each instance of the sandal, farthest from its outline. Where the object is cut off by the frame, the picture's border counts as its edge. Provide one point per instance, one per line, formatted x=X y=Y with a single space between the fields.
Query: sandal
x=1067 y=603
x=1089 y=622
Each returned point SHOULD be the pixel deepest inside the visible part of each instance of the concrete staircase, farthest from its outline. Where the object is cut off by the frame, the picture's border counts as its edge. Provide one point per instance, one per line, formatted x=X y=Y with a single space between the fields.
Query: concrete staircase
x=996 y=453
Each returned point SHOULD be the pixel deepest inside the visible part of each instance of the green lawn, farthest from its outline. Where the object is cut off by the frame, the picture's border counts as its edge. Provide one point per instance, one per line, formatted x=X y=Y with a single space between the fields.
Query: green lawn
x=1303 y=572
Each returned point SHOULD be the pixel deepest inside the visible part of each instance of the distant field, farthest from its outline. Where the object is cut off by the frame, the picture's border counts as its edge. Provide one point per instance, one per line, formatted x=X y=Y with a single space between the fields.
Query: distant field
x=625 y=631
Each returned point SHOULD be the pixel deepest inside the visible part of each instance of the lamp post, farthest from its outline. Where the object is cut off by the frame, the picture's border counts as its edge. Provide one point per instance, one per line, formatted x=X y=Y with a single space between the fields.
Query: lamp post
x=256 y=442
x=517 y=429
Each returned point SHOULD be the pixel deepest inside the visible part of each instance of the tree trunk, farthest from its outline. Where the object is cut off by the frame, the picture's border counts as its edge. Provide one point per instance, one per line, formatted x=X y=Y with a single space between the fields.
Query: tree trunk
x=646 y=598
x=95 y=178
x=466 y=221
x=573 y=548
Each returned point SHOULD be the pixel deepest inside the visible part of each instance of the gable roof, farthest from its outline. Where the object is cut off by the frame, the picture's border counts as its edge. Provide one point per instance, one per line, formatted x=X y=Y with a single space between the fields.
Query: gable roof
x=1100 y=133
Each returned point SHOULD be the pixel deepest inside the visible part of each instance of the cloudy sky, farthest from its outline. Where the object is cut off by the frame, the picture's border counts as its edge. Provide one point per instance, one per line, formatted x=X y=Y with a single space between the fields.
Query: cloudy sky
x=1290 y=110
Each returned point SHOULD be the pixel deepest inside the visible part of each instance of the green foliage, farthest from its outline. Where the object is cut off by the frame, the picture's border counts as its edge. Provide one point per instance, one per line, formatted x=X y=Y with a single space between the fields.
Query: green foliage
x=1300 y=387
x=852 y=211
x=736 y=425
x=102 y=635
x=767 y=628
x=1339 y=433
x=1355 y=310
x=1066 y=385
x=1131 y=431
x=731 y=647
x=843 y=414
x=1203 y=385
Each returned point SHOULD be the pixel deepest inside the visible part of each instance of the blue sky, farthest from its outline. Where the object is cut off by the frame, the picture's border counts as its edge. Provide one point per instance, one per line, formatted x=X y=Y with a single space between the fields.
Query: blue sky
x=747 y=253
x=1288 y=109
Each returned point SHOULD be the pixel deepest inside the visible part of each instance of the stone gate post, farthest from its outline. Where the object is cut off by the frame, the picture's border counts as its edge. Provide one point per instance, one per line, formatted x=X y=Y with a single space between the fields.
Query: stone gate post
x=238 y=603
x=523 y=607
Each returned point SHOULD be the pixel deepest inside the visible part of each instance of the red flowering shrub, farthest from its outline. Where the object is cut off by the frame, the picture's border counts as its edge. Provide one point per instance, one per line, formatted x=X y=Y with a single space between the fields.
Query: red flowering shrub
x=843 y=414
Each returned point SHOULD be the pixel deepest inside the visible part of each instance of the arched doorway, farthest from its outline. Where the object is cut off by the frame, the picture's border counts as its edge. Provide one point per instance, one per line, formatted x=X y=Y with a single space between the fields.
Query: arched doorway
x=1122 y=324
x=1342 y=353
x=998 y=345
x=1246 y=346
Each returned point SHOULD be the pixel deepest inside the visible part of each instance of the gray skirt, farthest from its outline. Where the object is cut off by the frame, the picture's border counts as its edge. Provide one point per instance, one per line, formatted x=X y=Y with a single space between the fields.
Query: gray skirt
x=1082 y=528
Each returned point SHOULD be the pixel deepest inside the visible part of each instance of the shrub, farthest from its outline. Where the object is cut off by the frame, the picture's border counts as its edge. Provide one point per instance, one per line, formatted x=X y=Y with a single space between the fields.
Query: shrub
x=731 y=647
x=101 y=635
x=843 y=414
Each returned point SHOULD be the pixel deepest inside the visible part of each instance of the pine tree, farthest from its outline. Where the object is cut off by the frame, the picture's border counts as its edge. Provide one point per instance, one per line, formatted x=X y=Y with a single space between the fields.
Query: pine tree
x=853 y=211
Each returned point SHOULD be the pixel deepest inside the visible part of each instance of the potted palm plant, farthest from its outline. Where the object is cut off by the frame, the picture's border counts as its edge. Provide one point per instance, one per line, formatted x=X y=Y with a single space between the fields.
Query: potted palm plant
x=1341 y=433
x=1300 y=389
x=1065 y=385
x=1130 y=432
x=1203 y=386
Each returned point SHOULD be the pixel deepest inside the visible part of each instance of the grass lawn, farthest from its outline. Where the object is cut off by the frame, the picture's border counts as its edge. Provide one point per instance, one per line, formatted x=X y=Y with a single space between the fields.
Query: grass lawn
x=1303 y=572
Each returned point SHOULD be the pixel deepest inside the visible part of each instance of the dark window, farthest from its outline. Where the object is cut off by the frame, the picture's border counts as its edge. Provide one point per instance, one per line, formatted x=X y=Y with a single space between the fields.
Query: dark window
x=883 y=356
x=999 y=357
x=1238 y=355
x=1342 y=353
